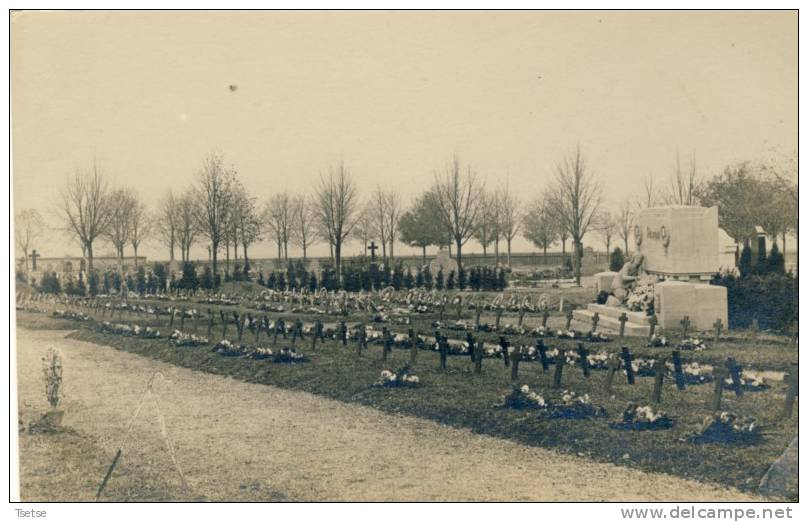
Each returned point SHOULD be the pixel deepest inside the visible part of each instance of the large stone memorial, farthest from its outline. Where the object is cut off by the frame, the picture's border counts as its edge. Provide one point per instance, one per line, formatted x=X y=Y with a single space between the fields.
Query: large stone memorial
x=443 y=261
x=678 y=250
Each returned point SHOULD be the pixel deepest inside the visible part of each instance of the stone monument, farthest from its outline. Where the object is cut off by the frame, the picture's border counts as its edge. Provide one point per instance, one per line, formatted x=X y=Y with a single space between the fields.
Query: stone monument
x=443 y=261
x=677 y=254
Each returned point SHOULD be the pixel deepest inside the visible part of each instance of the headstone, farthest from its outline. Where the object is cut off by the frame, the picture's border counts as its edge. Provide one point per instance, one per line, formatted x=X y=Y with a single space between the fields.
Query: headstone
x=679 y=241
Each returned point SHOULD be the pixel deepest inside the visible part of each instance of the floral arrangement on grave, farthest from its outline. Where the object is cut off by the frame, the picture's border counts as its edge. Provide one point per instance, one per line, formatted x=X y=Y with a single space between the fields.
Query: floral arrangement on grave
x=728 y=428
x=261 y=352
x=399 y=378
x=52 y=373
x=570 y=405
x=657 y=341
x=183 y=339
x=289 y=356
x=641 y=297
x=542 y=331
x=692 y=344
x=228 y=349
x=597 y=337
x=521 y=398
x=74 y=316
x=643 y=367
x=693 y=373
x=568 y=334
x=750 y=381
x=636 y=417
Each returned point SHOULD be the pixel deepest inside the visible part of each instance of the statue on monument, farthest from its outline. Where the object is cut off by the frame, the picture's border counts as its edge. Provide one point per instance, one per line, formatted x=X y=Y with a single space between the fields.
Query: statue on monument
x=625 y=279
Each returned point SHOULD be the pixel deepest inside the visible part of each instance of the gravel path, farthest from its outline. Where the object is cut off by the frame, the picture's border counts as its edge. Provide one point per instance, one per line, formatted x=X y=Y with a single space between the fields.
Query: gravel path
x=241 y=441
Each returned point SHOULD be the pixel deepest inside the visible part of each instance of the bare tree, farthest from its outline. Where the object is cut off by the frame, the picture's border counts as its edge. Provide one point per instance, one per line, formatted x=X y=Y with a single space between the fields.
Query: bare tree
x=28 y=227
x=510 y=218
x=625 y=223
x=140 y=224
x=484 y=228
x=122 y=201
x=250 y=224
x=86 y=209
x=540 y=226
x=278 y=216
x=186 y=224
x=606 y=227
x=386 y=210
x=684 y=186
x=576 y=201
x=337 y=209
x=378 y=210
x=304 y=221
x=166 y=222
x=364 y=230
x=650 y=193
x=459 y=202
x=213 y=197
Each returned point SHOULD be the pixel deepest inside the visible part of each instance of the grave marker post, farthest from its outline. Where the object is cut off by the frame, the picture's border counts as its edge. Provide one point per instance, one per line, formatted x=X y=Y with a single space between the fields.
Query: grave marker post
x=545 y=314
x=499 y=317
x=652 y=323
x=719 y=374
x=385 y=343
x=182 y=319
x=210 y=322
x=659 y=376
x=583 y=355
x=478 y=358
x=595 y=319
x=559 y=368
x=677 y=370
x=443 y=345
x=506 y=356
x=517 y=357
x=718 y=326
x=793 y=380
x=734 y=370
x=224 y=324
x=545 y=364
x=171 y=318
x=413 y=346
x=614 y=366
x=569 y=319
x=626 y=355
x=477 y=311
x=685 y=322
x=623 y=319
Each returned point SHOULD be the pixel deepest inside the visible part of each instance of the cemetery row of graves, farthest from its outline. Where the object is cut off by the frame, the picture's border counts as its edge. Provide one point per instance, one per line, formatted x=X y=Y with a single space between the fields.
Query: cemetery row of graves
x=716 y=406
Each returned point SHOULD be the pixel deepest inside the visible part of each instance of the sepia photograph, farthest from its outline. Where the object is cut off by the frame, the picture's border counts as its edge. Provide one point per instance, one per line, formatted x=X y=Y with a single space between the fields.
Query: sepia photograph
x=410 y=256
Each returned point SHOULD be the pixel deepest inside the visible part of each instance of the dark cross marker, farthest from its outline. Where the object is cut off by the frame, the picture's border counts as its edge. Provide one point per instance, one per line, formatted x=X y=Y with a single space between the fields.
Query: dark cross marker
x=734 y=370
x=626 y=355
x=719 y=374
x=545 y=364
x=521 y=315
x=506 y=356
x=677 y=370
x=685 y=322
x=478 y=358
x=478 y=310
x=499 y=317
x=595 y=319
x=659 y=376
x=569 y=319
x=343 y=333
x=413 y=346
x=559 y=367
x=182 y=319
x=623 y=319
x=652 y=323
x=517 y=357
x=443 y=345
x=386 y=342
x=718 y=326
x=583 y=355
x=470 y=343
x=545 y=314
x=224 y=324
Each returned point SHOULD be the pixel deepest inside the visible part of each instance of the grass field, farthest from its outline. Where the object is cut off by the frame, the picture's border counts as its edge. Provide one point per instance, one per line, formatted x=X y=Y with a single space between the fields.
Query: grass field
x=460 y=398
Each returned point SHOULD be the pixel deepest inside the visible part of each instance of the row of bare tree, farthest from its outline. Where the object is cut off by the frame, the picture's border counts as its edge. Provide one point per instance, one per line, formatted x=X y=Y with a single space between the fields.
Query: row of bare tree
x=218 y=211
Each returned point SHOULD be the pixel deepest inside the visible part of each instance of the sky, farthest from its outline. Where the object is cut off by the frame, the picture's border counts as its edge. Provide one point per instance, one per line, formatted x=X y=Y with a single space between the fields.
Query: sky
x=393 y=95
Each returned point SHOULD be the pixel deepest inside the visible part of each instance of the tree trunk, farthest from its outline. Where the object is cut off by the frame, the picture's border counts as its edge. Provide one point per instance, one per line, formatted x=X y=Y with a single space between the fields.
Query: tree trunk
x=392 y=261
x=246 y=262
x=135 y=249
x=485 y=251
x=171 y=248
x=578 y=254
x=459 y=256
x=563 y=248
x=89 y=247
x=423 y=254
x=784 y=246
x=214 y=248
x=625 y=244
x=227 y=253
x=338 y=261
x=544 y=260
x=304 y=251
x=496 y=252
x=509 y=252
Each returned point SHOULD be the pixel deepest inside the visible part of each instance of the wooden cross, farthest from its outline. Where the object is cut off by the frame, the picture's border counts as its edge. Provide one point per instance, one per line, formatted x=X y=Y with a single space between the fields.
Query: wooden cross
x=734 y=370
x=685 y=322
x=659 y=376
x=559 y=367
x=677 y=370
x=373 y=247
x=623 y=319
x=517 y=357
x=545 y=314
x=569 y=319
x=34 y=256
x=718 y=325
x=652 y=323
x=583 y=356
x=595 y=319
x=719 y=374
x=545 y=365
x=626 y=356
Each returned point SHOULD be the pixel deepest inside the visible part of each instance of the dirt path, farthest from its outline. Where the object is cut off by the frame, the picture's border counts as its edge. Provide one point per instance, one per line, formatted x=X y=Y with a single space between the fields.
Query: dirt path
x=241 y=441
